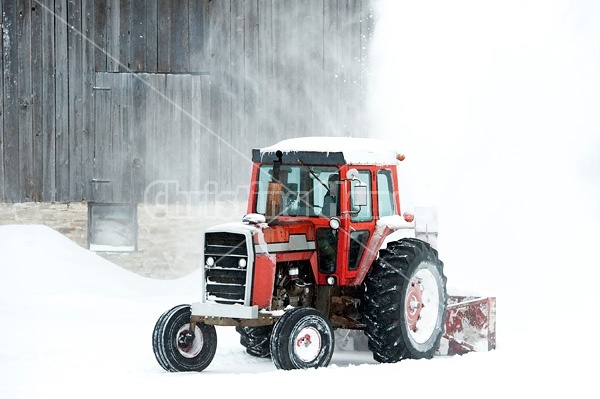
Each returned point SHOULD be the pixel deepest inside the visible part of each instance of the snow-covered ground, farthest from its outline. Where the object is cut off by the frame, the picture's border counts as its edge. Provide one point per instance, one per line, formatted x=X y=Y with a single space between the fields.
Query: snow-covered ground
x=496 y=105
x=74 y=325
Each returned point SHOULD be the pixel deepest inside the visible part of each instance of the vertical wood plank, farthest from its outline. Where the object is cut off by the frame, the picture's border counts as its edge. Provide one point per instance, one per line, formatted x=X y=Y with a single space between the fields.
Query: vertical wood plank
x=113 y=29
x=220 y=85
x=344 y=40
x=140 y=127
x=100 y=13
x=2 y=194
x=198 y=36
x=126 y=107
x=116 y=117
x=88 y=65
x=366 y=35
x=125 y=61
x=138 y=36
x=151 y=41
x=331 y=71
x=49 y=108
x=37 y=74
x=239 y=79
x=11 y=105
x=279 y=75
x=75 y=124
x=179 y=46
x=62 y=102
x=205 y=134
x=266 y=70
x=164 y=35
x=196 y=151
x=24 y=100
x=101 y=192
x=251 y=86
x=314 y=76
x=186 y=101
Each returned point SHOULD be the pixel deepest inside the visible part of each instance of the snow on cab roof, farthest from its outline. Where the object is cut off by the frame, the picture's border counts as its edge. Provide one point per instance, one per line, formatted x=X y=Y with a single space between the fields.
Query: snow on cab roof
x=331 y=150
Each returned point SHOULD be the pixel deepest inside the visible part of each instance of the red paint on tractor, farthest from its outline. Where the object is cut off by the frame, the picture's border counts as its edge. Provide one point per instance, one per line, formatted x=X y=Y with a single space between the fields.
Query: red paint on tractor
x=264 y=279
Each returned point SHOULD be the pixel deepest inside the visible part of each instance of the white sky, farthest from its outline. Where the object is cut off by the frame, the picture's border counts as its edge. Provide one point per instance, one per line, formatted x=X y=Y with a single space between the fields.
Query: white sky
x=496 y=106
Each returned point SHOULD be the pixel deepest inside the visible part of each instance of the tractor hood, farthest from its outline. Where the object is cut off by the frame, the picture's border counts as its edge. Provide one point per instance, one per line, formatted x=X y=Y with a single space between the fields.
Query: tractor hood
x=285 y=236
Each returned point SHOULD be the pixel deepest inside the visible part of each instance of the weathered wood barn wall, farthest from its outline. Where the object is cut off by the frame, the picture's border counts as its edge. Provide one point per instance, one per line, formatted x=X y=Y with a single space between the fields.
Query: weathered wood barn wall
x=99 y=99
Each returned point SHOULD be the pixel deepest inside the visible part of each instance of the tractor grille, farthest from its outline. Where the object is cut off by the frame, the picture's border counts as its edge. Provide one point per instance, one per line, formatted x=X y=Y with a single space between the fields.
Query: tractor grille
x=225 y=279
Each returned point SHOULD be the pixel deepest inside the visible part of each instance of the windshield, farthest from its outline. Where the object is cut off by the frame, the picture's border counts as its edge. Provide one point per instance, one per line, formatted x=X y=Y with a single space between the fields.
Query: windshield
x=304 y=192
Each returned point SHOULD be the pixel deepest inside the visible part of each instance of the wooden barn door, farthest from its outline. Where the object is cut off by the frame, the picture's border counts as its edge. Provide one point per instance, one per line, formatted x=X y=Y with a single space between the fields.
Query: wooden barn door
x=152 y=138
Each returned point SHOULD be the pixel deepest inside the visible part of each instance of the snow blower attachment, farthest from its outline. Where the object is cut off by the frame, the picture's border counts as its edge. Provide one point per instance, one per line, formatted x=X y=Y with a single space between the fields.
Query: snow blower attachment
x=323 y=247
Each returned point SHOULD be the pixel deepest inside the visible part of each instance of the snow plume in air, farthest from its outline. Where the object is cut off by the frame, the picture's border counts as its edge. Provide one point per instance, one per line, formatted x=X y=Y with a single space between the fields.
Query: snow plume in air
x=495 y=105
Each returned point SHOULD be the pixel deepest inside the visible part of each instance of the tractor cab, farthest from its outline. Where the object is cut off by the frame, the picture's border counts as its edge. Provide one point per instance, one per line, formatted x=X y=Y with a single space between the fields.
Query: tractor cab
x=337 y=195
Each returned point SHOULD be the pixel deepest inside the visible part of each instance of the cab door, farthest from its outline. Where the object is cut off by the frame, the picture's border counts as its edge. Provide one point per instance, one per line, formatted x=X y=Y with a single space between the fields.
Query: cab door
x=358 y=224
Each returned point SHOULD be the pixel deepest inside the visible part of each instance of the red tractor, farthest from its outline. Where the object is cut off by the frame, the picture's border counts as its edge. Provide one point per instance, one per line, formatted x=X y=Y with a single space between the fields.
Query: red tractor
x=315 y=252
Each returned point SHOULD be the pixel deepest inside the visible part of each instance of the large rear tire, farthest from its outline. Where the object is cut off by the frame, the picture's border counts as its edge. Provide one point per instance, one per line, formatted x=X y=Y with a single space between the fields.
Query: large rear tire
x=302 y=338
x=256 y=340
x=174 y=345
x=405 y=302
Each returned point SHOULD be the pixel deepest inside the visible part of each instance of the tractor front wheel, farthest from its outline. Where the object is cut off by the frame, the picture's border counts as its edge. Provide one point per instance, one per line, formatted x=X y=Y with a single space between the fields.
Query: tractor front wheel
x=302 y=338
x=179 y=347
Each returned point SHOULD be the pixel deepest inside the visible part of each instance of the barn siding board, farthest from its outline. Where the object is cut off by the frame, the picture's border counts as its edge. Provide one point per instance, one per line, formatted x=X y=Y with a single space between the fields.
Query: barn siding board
x=198 y=36
x=219 y=93
x=126 y=178
x=11 y=111
x=37 y=78
x=239 y=79
x=251 y=85
x=164 y=35
x=125 y=22
x=62 y=102
x=2 y=184
x=75 y=92
x=314 y=75
x=366 y=35
x=265 y=68
x=25 y=98
x=88 y=51
x=196 y=147
x=139 y=134
x=179 y=45
x=331 y=71
x=103 y=146
x=113 y=29
x=272 y=67
x=116 y=118
x=48 y=108
x=138 y=36
x=151 y=39
x=99 y=36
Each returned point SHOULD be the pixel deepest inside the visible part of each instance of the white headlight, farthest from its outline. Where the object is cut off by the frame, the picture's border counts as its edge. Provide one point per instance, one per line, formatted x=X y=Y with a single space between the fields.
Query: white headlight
x=210 y=261
x=242 y=262
x=331 y=280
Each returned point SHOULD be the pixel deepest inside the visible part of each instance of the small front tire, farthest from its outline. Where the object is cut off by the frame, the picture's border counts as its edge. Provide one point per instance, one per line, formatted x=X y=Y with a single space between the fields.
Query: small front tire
x=176 y=348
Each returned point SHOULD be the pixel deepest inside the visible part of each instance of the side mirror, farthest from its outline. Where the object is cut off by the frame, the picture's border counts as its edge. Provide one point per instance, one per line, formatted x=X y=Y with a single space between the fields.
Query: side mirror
x=360 y=195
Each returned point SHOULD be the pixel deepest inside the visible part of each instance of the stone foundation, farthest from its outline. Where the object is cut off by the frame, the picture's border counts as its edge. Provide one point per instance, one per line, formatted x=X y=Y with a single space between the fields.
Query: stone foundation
x=170 y=237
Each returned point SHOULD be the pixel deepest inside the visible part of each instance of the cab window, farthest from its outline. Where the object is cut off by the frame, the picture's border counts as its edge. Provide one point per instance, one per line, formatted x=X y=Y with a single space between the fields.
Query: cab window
x=363 y=213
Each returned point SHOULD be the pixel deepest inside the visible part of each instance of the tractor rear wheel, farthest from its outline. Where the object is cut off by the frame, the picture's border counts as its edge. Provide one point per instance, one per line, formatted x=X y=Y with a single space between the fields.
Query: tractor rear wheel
x=405 y=302
x=256 y=340
x=178 y=348
x=302 y=338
